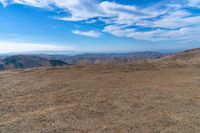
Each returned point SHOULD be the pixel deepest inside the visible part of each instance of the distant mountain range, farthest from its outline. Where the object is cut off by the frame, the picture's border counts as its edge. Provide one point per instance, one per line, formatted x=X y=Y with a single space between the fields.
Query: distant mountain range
x=106 y=58
x=28 y=61
x=44 y=60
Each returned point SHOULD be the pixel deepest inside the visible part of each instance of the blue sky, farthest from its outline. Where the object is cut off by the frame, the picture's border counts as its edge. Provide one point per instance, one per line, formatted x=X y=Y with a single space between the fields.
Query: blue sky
x=99 y=25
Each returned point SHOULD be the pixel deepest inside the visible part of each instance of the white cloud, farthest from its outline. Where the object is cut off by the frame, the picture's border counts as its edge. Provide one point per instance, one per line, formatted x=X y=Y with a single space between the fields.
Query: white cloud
x=91 y=33
x=186 y=34
x=7 y=47
x=4 y=2
x=164 y=21
x=178 y=19
x=79 y=9
x=194 y=3
x=161 y=22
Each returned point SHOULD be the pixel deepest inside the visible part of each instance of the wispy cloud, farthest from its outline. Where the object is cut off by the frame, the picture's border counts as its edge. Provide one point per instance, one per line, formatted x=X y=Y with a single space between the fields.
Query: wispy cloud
x=194 y=3
x=91 y=33
x=4 y=2
x=183 y=34
x=167 y=20
x=7 y=47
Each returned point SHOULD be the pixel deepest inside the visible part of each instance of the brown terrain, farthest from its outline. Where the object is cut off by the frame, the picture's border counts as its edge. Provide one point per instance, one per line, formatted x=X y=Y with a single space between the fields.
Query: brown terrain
x=160 y=96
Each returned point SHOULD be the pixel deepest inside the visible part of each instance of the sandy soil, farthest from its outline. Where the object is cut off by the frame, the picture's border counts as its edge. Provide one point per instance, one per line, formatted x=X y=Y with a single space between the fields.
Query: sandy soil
x=134 y=98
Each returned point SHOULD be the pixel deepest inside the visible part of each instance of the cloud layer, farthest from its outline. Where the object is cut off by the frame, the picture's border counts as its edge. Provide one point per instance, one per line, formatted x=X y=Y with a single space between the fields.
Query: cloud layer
x=167 y=20
x=7 y=47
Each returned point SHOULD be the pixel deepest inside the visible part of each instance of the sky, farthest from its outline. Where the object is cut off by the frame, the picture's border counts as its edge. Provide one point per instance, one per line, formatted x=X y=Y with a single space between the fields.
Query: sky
x=99 y=25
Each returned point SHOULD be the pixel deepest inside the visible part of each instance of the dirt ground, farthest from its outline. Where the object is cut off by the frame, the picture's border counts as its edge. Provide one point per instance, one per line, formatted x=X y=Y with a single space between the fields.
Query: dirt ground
x=129 y=98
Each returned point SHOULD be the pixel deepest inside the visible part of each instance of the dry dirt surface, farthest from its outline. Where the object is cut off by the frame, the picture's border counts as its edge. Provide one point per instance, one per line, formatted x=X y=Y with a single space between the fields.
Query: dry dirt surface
x=132 y=98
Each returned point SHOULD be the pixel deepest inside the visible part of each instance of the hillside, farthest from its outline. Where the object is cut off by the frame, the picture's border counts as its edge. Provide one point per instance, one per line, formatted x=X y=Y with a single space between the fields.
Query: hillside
x=28 y=61
x=192 y=55
x=142 y=96
x=139 y=97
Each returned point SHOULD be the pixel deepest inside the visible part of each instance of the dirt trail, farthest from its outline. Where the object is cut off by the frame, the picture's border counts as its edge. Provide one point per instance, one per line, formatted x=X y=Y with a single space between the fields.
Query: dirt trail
x=27 y=115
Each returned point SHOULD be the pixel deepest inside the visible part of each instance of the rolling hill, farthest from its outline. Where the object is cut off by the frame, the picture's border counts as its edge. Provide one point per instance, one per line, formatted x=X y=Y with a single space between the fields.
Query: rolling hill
x=44 y=60
x=28 y=61
x=192 y=55
x=106 y=58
